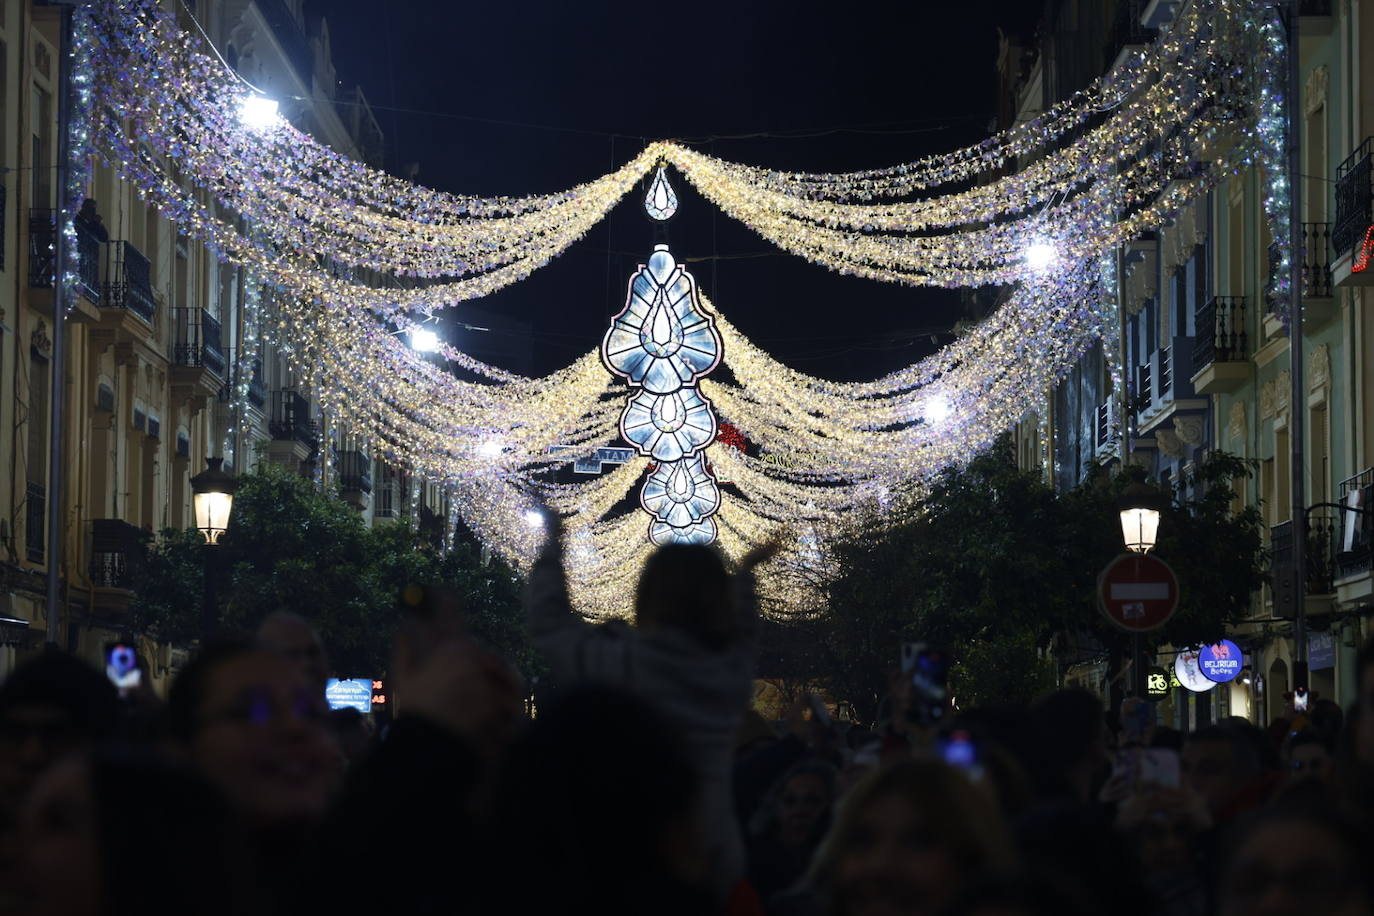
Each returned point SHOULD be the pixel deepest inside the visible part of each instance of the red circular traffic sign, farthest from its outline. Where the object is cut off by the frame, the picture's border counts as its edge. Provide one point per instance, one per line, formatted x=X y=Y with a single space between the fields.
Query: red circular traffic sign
x=1138 y=592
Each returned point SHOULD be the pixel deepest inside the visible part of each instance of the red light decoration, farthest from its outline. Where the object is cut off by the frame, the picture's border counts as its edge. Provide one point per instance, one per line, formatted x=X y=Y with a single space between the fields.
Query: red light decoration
x=729 y=434
x=1366 y=251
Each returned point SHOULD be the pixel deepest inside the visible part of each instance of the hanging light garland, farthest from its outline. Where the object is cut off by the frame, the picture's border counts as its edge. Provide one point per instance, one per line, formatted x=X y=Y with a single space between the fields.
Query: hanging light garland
x=350 y=260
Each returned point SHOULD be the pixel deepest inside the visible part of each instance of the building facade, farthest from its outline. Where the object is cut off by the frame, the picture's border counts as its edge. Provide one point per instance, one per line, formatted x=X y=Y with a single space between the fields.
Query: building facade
x=157 y=359
x=1206 y=361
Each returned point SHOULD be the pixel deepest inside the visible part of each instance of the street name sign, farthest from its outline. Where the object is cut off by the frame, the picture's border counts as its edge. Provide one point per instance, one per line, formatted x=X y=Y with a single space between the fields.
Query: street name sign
x=1138 y=592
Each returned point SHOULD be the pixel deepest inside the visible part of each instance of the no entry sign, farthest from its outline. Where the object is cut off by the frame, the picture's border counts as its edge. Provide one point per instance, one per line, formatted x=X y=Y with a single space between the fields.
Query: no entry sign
x=1138 y=592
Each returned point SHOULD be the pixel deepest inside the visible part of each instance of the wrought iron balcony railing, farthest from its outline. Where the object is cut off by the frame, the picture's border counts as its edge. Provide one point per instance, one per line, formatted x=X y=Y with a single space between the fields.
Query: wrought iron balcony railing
x=1220 y=332
x=197 y=340
x=355 y=471
x=1356 y=546
x=1314 y=264
x=290 y=418
x=129 y=282
x=116 y=553
x=1354 y=196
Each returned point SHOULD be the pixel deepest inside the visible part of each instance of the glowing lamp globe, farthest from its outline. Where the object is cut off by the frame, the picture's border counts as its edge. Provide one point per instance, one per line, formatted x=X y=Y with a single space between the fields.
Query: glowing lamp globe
x=491 y=448
x=534 y=518
x=212 y=499
x=259 y=112
x=424 y=341
x=937 y=409
x=1140 y=507
x=1041 y=256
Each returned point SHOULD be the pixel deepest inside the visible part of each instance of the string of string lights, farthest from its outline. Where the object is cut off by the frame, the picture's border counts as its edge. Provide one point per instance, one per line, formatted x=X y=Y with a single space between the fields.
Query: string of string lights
x=345 y=261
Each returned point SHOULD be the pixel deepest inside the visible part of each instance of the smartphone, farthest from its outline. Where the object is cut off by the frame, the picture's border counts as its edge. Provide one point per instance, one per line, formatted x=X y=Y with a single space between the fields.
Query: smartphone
x=960 y=749
x=1148 y=766
x=121 y=667
x=1300 y=699
x=929 y=672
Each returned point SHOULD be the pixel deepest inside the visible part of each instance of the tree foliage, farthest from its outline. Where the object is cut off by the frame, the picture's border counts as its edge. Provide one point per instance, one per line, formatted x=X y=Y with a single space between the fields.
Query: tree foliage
x=289 y=547
x=997 y=563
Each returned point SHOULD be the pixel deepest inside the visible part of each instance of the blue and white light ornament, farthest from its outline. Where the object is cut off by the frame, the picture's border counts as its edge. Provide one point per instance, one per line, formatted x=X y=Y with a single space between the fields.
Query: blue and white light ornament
x=661 y=343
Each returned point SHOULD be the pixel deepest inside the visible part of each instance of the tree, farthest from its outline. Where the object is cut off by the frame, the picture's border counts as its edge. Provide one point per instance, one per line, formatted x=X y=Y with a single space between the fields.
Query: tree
x=290 y=547
x=996 y=563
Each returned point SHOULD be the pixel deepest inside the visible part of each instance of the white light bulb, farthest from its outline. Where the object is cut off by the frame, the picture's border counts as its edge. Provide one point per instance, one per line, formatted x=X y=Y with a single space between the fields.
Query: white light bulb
x=937 y=409
x=424 y=341
x=534 y=518
x=259 y=112
x=491 y=448
x=1041 y=256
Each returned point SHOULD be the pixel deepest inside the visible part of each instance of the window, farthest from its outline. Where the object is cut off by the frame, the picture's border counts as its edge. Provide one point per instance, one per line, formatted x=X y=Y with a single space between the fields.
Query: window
x=40 y=142
x=1319 y=457
x=1283 y=502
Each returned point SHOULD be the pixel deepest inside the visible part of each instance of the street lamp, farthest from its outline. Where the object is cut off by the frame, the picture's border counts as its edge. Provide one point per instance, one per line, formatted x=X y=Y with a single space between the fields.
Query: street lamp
x=213 y=500
x=1140 y=505
x=258 y=112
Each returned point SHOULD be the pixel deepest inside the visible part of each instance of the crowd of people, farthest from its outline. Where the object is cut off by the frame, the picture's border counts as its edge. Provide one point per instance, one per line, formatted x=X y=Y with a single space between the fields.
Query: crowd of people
x=645 y=784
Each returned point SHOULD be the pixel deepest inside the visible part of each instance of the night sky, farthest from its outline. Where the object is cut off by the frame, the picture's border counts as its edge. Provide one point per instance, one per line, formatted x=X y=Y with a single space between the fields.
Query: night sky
x=530 y=96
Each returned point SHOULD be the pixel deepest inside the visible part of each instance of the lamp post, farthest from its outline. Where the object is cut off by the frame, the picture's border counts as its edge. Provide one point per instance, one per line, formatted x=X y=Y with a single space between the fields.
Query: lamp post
x=213 y=500
x=1140 y=505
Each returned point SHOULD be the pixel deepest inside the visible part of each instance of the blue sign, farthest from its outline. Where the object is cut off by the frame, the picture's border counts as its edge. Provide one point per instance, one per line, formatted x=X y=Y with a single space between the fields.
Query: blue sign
x=595 y=462
x=1221 y=661
x=355 y=692
x=1321 y=651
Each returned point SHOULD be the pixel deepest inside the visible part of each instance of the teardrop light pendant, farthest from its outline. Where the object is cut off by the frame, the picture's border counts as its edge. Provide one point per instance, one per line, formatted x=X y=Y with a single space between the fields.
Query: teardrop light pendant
x=662 y=332
x=680 y=488
x=661 y=201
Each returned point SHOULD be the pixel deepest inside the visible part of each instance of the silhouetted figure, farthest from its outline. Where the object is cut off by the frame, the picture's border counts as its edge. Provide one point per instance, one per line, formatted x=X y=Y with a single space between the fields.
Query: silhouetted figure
x=691 y=655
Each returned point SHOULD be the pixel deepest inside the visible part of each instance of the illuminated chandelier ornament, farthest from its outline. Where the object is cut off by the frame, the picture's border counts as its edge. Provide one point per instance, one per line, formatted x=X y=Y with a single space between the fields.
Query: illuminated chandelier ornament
x=662 y=342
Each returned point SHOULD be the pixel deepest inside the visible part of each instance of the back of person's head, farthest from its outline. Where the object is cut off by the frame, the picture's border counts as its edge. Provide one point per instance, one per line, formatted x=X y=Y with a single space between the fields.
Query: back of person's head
x=1299 y=855
x=686 y=587
x=1167 y=738
x=1062 y=739
x=601 y=792
x=960 y=834
x=61 y=682
x=118 y=831
x=1246 y=753
x=49 y=706
x=168 y=842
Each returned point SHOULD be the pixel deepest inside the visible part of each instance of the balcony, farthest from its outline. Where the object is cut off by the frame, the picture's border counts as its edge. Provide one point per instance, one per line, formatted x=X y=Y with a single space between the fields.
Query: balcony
x=42 y=247
x=116 y=553
x=1351 y=234
x=355 y=471
x=1319 y=558
x=1314 y=273
x=198 y=340
x=1128 y=33
x=291 y=418
x=355 y=477
x=295 y=437
x=35 y=521
x=129 y=283
x=197 y=358
x=1220 y=350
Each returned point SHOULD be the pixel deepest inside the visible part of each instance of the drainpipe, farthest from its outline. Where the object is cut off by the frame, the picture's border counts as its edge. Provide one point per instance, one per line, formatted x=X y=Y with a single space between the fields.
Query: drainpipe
x=56 y=468
x=1298 y=398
